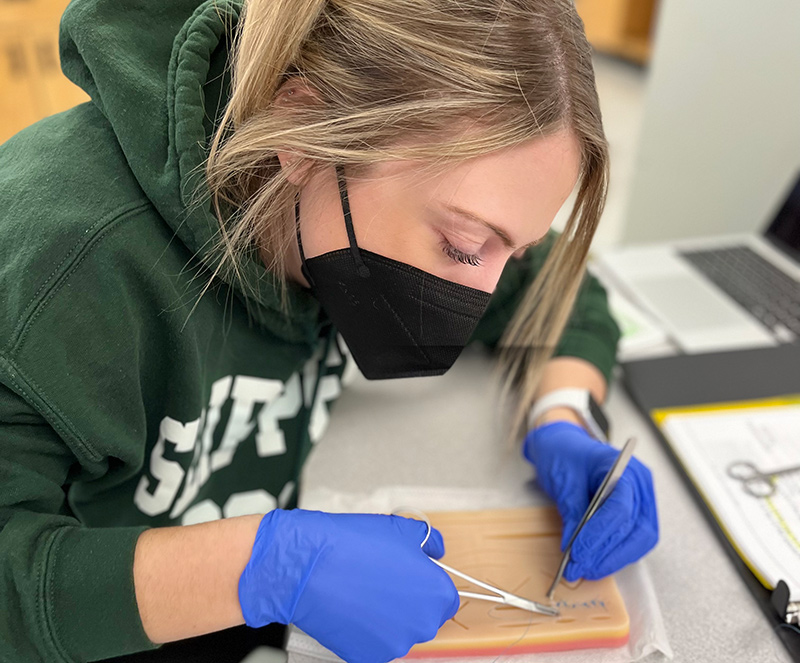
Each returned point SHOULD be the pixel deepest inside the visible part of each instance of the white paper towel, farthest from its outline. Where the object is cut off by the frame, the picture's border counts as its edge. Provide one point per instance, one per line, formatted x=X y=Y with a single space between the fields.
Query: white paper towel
x=648 y=637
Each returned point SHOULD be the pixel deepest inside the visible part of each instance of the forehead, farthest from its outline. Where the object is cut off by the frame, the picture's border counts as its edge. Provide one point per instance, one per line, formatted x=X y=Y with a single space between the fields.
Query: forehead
x=510 y=186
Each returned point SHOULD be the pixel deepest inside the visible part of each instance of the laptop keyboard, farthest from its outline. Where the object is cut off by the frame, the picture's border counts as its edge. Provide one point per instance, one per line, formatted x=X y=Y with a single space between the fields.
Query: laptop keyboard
x=756 y=284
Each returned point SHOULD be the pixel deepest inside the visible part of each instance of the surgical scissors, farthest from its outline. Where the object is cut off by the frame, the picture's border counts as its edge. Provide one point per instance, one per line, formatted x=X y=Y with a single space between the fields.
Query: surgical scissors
x=502 y=596
x=754 y=481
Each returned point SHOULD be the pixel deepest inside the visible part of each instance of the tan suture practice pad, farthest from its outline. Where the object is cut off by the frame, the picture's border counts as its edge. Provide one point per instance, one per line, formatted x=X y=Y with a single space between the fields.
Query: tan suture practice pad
x=518 y=550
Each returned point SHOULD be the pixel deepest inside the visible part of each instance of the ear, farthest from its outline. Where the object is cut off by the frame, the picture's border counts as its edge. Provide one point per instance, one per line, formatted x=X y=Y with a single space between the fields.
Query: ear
x=291 y=93
x=287 y=158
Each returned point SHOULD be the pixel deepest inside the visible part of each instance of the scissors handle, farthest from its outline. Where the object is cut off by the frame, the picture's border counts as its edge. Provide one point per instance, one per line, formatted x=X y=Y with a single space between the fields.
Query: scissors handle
x=755 y=482
x=760 y=486
x=466 y=577
x=744 y=471
x=500 y=596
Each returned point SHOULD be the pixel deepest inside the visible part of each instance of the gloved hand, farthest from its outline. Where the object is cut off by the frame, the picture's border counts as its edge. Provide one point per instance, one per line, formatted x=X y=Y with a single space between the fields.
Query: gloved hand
x=358 y=583
x=570 y=466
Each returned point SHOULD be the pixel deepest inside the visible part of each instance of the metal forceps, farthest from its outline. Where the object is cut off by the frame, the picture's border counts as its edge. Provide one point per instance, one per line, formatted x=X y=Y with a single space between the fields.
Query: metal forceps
x=754 y=481
x=606 y=487
x=499 y=595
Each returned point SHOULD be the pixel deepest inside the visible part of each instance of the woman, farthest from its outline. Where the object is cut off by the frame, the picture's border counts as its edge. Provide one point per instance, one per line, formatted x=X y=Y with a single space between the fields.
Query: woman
x=253 y=195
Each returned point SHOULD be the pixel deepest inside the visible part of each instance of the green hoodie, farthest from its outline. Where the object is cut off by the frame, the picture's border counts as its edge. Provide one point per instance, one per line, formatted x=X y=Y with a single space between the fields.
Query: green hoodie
x=118 y=410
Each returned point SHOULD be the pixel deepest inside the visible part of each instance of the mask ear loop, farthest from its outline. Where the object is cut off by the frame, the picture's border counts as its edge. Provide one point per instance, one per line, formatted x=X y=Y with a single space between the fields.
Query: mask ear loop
x=303 y=266
x=363 y=270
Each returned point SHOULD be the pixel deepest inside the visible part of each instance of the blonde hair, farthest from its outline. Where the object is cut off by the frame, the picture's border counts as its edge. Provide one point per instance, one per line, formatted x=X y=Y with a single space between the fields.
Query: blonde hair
x=437 y=81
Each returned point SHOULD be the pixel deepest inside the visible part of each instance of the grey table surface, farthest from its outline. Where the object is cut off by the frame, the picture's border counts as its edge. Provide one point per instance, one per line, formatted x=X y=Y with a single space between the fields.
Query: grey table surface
x=446 y=431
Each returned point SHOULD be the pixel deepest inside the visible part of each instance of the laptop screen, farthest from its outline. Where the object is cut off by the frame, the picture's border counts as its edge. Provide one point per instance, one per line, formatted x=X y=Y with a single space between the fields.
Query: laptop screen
x=785 y=228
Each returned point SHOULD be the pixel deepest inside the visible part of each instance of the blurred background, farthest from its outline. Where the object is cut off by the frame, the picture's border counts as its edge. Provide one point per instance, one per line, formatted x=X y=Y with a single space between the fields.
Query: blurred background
x=701 y=102
x=701 y=105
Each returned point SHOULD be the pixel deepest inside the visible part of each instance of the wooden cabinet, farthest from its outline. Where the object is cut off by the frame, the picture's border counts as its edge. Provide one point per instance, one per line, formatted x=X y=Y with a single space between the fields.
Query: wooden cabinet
x=620 y=27
x=31 y=81
x=33 y=86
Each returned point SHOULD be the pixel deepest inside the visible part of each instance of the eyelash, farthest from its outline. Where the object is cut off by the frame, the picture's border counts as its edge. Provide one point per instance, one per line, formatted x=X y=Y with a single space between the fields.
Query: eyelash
x=459 y=256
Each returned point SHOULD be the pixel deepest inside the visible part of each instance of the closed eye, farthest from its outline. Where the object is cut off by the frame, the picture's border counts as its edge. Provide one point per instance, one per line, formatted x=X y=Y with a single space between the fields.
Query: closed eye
x=457 y=255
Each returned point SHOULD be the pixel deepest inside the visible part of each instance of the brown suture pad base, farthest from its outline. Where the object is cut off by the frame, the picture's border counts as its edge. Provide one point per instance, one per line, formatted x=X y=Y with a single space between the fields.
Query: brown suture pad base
x=518 y=550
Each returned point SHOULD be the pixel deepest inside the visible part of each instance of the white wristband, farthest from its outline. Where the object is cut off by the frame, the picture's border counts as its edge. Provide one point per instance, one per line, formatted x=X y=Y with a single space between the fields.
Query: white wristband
x=575 y=399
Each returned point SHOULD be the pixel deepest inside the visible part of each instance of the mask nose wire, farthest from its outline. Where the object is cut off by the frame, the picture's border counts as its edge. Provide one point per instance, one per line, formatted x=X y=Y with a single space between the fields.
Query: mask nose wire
x=362 y=269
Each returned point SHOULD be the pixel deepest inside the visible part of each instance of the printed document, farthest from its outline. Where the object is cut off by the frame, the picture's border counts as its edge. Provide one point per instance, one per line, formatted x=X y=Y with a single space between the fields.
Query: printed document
x=764 y=530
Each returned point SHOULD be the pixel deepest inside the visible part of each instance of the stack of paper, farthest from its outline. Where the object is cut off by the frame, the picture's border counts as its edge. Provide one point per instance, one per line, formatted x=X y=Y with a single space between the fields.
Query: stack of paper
x=642 y=336
x=765 y=530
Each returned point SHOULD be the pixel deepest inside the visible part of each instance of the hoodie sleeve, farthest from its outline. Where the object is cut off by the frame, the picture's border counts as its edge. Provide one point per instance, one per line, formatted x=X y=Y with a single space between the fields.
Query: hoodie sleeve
x=591 y=332
x=66 y=591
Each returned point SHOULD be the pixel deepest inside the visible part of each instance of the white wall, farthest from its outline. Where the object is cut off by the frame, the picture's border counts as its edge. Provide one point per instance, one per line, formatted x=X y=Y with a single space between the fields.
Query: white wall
x=720 y=135
x=621 y=88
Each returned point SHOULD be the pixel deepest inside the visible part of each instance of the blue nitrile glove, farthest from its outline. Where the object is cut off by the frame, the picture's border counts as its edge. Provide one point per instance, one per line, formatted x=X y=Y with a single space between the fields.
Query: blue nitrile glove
x=570 y=466
x=358 y=583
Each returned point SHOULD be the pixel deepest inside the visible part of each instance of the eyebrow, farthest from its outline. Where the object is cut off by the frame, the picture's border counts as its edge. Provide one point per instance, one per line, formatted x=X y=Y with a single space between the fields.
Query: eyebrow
x=502 y=234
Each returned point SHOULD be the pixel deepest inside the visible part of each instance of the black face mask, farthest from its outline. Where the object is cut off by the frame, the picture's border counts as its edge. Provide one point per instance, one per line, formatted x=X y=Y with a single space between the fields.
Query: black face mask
x=398 y=321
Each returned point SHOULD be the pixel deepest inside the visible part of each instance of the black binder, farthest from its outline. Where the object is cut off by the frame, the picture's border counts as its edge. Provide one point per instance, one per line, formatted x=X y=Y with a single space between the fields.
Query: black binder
x=689 y=380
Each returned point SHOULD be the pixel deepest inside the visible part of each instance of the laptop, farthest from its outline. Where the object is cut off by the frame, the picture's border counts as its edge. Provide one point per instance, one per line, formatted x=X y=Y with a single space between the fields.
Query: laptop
x=720 y=293
x=732 y=304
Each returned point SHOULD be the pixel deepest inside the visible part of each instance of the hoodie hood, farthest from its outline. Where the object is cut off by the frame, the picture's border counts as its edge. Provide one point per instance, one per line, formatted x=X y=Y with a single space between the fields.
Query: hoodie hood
x=156 y=70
